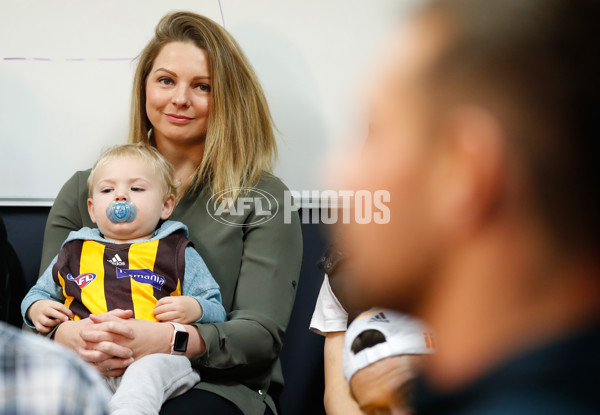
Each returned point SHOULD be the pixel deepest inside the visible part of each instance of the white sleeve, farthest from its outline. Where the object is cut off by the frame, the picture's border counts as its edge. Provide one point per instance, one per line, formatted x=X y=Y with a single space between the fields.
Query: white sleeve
x=329 y=315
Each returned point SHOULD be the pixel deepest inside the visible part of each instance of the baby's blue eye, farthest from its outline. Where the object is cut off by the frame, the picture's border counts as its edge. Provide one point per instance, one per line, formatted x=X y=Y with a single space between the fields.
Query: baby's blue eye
x=137 y=189
x=105 y=190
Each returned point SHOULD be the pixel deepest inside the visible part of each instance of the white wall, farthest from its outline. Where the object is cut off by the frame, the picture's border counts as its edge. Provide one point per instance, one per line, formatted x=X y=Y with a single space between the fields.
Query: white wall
x=67 y=95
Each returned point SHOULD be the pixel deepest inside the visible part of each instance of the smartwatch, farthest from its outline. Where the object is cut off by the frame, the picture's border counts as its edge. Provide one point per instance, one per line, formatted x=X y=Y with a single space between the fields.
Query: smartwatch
x=180 y=338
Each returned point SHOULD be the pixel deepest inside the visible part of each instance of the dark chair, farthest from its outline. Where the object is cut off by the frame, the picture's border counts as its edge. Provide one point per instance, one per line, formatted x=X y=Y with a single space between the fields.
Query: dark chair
x=12 y=280
x=302 y=353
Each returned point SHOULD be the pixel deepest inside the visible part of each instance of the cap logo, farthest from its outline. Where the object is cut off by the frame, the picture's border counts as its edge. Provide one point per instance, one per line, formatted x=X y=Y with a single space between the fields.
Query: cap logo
x=379 y=317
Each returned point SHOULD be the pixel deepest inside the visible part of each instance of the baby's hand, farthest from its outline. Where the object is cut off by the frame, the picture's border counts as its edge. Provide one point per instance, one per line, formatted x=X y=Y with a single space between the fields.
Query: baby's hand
x=45 y=314
x=178 y=309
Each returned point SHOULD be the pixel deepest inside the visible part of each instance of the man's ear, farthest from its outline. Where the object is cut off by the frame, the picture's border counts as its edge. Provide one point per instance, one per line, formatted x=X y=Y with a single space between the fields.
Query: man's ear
x=470 y=181
x=168 y=206
x=90 y=205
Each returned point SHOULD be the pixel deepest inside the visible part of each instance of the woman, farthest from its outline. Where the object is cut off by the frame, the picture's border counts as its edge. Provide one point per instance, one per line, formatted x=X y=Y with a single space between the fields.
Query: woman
x=197 y=99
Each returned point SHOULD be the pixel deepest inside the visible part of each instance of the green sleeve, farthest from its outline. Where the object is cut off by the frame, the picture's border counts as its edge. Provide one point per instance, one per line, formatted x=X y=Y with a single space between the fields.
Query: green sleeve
x=68 y=213
x=251 y=339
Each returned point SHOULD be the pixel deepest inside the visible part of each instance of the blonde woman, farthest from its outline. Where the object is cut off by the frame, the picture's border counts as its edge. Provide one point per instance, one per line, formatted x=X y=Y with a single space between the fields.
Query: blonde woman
x=198 y=101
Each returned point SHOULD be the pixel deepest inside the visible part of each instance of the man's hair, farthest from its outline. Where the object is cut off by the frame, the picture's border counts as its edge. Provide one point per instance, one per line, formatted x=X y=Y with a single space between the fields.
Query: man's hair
x=144 y=152
x=539 y=60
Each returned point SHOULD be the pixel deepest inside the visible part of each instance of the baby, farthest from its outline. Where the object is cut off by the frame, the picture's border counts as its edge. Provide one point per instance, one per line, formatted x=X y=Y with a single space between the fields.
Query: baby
x=130 y=262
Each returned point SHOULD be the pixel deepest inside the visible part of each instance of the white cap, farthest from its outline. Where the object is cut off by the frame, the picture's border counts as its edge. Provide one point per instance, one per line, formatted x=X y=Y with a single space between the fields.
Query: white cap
x=403 y=335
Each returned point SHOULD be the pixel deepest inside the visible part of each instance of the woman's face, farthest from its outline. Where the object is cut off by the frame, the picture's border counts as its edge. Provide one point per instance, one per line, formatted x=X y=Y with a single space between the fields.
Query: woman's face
x=178 y=94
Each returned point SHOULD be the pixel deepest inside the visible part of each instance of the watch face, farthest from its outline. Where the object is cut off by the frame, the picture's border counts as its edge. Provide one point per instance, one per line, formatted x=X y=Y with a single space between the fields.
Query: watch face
x=181 y=341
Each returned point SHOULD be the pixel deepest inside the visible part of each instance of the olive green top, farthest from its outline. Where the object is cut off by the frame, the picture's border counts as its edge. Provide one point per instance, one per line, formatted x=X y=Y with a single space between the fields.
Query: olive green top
x=257 y=266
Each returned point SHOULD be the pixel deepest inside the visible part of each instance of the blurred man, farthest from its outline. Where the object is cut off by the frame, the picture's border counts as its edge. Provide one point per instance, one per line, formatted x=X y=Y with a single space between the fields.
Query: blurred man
x=486 y=132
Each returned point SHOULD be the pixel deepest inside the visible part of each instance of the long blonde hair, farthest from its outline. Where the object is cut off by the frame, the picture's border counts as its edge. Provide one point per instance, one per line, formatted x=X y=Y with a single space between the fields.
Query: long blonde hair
x=240 y=144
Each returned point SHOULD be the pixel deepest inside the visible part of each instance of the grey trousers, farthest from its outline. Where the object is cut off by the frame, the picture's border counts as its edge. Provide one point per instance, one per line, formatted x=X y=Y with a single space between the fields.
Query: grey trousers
x=149 y=382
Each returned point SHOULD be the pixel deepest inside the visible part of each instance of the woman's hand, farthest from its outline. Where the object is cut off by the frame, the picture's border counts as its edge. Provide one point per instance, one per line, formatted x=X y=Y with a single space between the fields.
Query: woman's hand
x=152 y=337
x=67 y=333
x=111 y=341
x=141 y=337
x=99 y=342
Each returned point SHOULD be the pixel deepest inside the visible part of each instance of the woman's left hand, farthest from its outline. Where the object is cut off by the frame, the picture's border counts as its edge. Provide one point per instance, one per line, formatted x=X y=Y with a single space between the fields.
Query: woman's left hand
x=114 y=342
x=144 y=337
x=104 y=342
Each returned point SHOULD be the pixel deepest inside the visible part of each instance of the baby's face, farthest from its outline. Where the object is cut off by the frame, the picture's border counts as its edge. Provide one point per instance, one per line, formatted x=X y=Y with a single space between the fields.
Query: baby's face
x=129 y=179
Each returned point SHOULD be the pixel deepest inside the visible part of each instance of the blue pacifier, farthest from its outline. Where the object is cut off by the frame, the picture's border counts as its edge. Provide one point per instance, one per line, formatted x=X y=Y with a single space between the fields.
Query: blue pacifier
x=118 y=212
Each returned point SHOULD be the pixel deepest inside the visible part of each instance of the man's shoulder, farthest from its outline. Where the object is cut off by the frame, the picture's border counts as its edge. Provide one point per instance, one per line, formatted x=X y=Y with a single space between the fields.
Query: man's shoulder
x=34 y=372
x=559 y=377
x=33 y=350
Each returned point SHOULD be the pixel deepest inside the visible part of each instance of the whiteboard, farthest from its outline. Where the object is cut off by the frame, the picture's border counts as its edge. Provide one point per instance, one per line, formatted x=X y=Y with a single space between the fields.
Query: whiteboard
x=67 y=68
